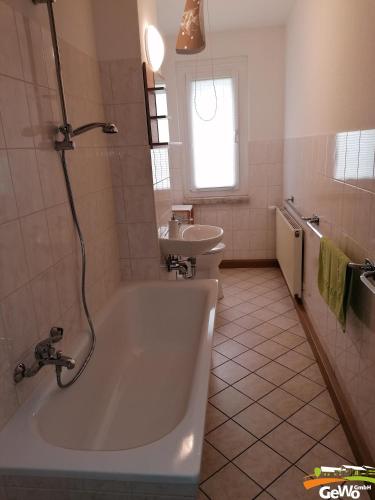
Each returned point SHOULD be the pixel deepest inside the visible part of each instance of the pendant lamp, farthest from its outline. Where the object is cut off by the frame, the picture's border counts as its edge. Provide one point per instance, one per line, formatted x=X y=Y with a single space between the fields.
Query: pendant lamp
x=191 y=37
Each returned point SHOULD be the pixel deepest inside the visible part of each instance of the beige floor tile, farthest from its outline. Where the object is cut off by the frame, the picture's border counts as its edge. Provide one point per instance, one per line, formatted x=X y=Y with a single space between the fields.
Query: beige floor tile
x=202 y=495
x=218 y=339
x=248 y=322
x=338 y=442
x=232 y=314
x=271 y=349
x=230 y=301
x=231 y=330
x=281 y=403
x=257 y=420
x=277 y=294
x=280 y=307
x=292 y=314
x=295 y=361
x=230 y=484
x=230 y=439
x=265 y=314
x=216 y=385
x=231 y=290
x=230 y=401
x=217 y=359
x=214 y=418
x=251 y=360
x=274 y=284
x=212 y=461
x=312 y=421
x=290 y=486
x=230 y=348
x=275 y=373
x=247 y=295
x=288 y=339
x=261 y=278
x=283 y=322
x=221 y=307
x=220 y=321
x=289 y=442
x=324 y=403
x=262 y=464
x=302 y=388
x=230 y=372
x=319 y=455
x=264 y=496
x=245 y=285
x=298 y=330
x=260 y=289
x=267 y=330
x=313 y=373
x=305 y=349
x=247 y=308
x=230 y=281
x=261 y=301
x=249 y=339
x=255 y=387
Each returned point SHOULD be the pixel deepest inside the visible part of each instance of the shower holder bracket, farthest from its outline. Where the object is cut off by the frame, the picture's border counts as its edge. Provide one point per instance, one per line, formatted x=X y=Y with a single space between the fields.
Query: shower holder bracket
x=66 y=144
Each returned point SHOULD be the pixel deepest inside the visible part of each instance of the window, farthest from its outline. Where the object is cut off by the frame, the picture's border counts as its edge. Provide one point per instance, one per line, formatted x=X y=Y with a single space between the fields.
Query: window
x=160 y=169
x=355 y=155
x=162 y=110
x=213 y=131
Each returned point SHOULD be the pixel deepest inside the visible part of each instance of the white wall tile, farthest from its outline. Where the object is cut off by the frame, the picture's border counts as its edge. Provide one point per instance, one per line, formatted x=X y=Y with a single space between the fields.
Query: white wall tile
x=26 y=181
x=8 y=206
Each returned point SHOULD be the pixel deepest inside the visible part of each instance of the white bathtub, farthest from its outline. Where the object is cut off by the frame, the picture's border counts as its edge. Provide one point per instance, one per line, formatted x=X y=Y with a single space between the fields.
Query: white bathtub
x=134 y=422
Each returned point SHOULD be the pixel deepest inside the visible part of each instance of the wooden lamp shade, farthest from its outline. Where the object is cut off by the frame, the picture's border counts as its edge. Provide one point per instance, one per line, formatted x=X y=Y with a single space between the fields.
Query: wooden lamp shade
x=191 y=37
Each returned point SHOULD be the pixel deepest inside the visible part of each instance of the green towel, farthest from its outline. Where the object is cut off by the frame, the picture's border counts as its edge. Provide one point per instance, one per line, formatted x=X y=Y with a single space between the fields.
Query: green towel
x=334 y=279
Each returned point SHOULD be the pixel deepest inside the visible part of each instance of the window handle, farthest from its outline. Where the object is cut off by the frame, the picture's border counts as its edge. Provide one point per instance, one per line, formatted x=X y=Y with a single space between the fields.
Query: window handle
x=236 y=136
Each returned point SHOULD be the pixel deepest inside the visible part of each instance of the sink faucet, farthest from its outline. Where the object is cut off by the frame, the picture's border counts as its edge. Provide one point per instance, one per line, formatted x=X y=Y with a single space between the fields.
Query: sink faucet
x=184 y=220
x=45 y=354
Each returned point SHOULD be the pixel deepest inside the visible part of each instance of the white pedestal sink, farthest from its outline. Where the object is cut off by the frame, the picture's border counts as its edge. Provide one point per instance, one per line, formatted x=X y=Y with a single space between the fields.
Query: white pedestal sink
x=192 y=240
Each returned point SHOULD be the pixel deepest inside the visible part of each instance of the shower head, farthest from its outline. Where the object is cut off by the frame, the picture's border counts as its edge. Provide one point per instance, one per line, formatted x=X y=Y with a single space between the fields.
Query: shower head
x=107 y=128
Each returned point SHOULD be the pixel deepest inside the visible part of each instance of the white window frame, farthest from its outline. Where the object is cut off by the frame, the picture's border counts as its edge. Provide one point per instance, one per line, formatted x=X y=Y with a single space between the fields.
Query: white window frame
x=187 y=72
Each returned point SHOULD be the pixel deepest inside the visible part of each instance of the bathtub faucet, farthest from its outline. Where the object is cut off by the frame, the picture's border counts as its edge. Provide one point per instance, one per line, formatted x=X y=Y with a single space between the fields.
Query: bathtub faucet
x=45 y=354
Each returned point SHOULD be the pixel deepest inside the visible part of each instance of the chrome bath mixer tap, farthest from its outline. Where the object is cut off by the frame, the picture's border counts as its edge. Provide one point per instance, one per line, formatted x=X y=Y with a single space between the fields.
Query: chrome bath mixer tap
x=45 y=355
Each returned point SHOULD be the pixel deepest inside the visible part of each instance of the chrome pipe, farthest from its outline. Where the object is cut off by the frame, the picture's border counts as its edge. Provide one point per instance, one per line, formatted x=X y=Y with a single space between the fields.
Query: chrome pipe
x=56 y=53
x=107 y=128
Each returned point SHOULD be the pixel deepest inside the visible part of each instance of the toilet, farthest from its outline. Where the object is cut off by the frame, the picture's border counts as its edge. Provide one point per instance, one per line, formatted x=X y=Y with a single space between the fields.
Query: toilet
x=208 y=265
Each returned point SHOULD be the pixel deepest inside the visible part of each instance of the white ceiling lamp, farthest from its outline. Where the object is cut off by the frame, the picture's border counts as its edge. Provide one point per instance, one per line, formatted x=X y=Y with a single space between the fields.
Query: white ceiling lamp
x=191 y=37
x=155 y=49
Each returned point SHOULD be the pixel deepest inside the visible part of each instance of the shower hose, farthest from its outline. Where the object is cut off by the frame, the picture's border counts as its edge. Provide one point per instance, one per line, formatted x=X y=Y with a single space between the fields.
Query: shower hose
x=81 y=369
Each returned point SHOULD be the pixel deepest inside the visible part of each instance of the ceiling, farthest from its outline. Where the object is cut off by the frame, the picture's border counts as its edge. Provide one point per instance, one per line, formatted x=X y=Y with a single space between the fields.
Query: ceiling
x=227 y=14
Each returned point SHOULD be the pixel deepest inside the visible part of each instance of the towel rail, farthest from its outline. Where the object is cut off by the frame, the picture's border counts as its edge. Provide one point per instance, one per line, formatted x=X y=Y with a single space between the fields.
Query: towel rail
x=314 y=229
x=311 y=222
x=365 y=278
x=368 y=267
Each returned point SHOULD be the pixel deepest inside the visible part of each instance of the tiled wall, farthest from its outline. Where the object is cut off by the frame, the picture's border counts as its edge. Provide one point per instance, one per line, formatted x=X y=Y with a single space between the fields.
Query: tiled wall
x=131 y=169
x=334 y=177
x=249 y=228
x=39 y=257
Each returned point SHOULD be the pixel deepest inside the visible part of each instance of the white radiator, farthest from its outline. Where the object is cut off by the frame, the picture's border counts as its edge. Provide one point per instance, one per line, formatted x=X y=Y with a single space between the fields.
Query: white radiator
x=289 y=250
